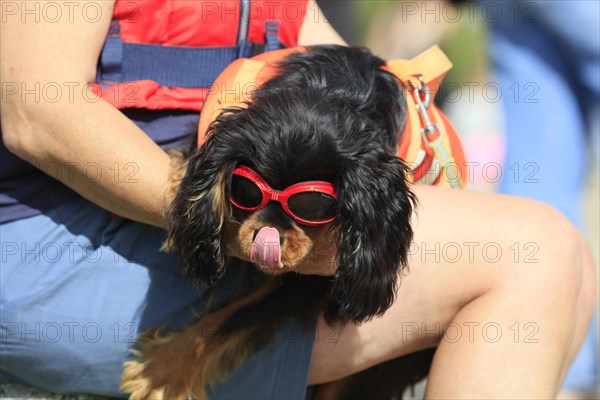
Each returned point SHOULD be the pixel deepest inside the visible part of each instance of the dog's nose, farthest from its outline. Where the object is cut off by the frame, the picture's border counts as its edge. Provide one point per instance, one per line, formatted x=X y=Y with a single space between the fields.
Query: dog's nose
x=281 y=237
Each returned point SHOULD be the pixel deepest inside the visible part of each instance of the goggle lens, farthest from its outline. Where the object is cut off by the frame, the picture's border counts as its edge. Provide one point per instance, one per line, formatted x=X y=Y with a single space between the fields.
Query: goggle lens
x=245 y=193
x=312 y=206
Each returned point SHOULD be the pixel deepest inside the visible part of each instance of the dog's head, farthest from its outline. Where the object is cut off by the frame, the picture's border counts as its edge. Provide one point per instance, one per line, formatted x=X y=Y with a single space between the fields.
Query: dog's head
x=331 y=115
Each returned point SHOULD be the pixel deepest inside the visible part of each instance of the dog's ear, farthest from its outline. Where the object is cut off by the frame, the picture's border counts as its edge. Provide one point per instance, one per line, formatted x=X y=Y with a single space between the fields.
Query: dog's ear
x=374 y=234
x=197 y=214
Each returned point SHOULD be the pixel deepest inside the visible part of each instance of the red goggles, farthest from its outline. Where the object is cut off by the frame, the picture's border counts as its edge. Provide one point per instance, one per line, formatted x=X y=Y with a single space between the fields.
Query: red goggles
x=308 y=203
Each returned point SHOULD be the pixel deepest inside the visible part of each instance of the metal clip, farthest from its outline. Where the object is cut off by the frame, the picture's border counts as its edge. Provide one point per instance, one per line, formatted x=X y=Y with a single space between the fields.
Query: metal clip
x=428 y=128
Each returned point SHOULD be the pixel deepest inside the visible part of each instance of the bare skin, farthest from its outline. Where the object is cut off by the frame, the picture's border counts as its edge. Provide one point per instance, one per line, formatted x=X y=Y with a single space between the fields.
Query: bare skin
x=515 y=320
x=554 y=294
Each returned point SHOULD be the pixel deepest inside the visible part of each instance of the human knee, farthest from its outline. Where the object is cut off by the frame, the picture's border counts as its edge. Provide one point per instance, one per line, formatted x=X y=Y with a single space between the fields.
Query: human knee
x=551 y=260
x=573 y=266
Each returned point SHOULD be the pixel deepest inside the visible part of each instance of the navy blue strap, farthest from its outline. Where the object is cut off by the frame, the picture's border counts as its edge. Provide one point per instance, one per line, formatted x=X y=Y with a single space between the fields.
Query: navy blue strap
x=272 y=35
x=172 y=66
x=110 y=67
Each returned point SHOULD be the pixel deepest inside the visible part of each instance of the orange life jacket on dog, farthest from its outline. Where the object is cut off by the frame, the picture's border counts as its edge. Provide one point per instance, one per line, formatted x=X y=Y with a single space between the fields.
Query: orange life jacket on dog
x=429 y=143
x=165 y=54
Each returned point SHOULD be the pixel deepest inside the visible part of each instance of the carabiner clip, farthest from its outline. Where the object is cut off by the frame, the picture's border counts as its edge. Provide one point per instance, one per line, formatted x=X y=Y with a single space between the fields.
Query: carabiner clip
x=428 y=128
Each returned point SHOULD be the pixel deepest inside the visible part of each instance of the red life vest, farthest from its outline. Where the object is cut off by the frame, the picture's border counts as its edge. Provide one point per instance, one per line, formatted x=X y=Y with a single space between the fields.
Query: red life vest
x=429 y=143
x=165 y=54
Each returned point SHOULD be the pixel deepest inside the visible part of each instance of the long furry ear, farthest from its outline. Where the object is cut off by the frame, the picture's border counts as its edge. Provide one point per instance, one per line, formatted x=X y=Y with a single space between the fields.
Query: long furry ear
x=374 y=235
x=196 y=217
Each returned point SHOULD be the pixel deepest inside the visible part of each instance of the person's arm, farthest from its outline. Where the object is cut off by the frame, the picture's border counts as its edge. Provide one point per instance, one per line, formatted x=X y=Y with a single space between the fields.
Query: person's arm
x=316 y=29
x=50 y=120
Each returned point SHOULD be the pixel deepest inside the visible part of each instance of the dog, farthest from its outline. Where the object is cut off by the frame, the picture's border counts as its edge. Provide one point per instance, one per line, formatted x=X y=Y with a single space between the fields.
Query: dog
x=307 y=168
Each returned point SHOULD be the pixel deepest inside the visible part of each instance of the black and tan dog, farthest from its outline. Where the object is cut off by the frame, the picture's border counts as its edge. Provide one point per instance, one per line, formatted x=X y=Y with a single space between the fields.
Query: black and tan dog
x=307 y=168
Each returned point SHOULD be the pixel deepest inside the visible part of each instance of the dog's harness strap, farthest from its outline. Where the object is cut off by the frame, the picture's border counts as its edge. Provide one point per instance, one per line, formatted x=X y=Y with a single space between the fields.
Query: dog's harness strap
x=173 y=66
x=429 y=144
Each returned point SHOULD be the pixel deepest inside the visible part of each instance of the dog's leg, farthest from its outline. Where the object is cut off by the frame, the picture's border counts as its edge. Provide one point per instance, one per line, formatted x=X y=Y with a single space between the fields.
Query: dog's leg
x=170 y=366
x=331 y=390
x=386 y=381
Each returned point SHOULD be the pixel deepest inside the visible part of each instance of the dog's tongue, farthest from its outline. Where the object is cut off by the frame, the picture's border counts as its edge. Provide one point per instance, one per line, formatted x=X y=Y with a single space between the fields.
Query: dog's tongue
x=266 y=249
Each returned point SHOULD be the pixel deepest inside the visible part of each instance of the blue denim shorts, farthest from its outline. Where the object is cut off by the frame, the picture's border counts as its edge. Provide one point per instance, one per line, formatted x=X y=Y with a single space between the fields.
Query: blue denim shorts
x=77 y=287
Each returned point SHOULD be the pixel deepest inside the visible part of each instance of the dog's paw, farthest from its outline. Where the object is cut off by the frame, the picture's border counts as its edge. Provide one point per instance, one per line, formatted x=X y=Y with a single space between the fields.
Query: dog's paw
x=139 y=386
x=164 y=368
